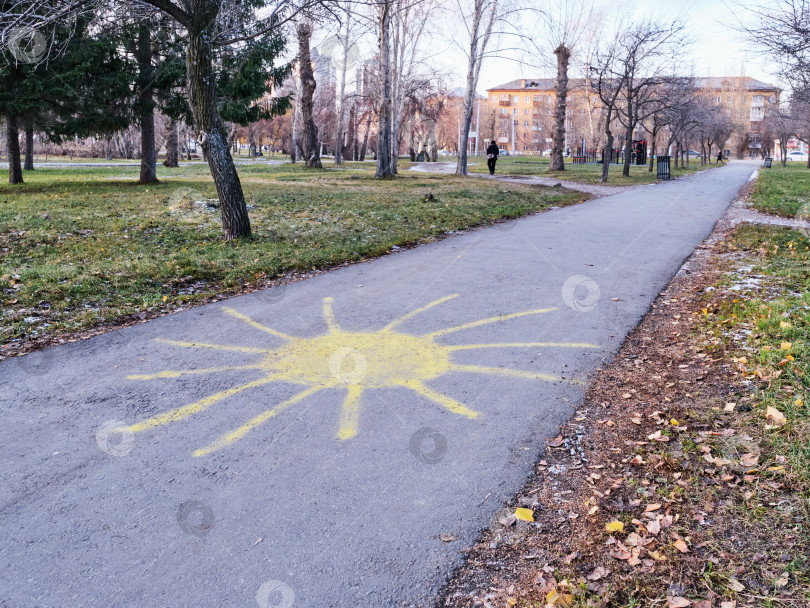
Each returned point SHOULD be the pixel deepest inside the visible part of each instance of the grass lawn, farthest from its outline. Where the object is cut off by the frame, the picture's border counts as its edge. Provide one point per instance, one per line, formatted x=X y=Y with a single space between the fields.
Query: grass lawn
x=584 y=174
x=783 y=190
x=777 y=322
x=86 y=247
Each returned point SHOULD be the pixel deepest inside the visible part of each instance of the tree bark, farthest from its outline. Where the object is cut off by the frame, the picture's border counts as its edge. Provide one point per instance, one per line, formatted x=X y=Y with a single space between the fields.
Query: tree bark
x=172 y=146
x=365 y=138
x=384 y=167
x=607 y=155
x=108 y=148
x=202 y=99
x=557 y=163
x=310 y=148
x=341 y=111
x=146 y=75
x=628 y=152
x=29 y=148
x=296 y=126
x=15 y=175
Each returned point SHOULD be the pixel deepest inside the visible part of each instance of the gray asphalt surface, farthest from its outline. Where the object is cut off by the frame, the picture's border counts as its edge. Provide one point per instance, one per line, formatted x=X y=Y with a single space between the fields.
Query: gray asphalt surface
x=289 y=515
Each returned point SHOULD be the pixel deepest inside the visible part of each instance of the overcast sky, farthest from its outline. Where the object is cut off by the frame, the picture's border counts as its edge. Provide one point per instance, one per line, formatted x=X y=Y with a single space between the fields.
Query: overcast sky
x=717 y=50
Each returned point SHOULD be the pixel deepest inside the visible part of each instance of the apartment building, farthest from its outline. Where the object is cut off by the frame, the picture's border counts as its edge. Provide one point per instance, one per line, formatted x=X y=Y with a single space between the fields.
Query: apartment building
x=519 y=113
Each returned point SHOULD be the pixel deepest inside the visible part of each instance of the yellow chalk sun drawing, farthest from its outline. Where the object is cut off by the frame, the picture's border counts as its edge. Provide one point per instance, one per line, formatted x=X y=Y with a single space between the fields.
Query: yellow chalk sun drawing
x=354 y=361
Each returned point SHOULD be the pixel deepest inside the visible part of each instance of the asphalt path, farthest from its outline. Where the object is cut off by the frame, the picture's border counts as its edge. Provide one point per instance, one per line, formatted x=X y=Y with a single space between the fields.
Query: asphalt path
x=333 y=442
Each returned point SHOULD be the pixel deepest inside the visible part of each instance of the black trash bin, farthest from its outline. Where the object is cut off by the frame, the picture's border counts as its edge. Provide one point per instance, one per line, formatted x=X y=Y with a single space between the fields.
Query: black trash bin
x=662 y=163
x=768 y=162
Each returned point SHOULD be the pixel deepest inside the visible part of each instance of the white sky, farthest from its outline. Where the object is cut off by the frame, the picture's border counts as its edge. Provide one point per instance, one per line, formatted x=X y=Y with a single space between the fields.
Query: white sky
x=717 y=49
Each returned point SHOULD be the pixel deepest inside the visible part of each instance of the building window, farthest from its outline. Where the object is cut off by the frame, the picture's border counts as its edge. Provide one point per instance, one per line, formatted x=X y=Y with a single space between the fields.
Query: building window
x=717 y=99
x=494 y=98
x=517 y=98
x=771 y=99
x=757 y=113
x=504 y=111
x=514 y=110
x=758 y=100
x=525 y=123
x=526 y=111
x=536 y=98
x=528 y=98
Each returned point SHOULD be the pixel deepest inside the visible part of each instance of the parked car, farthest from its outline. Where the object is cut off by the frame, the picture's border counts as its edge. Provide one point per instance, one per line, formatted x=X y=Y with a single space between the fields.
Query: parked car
x=444 y=153
x=504 y=152
x=547 y=152
x=694 y=154
x=802 y=156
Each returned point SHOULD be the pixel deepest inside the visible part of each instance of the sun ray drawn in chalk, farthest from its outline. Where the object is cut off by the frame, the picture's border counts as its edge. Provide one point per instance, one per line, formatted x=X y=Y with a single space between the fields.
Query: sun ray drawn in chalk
x=352 y=361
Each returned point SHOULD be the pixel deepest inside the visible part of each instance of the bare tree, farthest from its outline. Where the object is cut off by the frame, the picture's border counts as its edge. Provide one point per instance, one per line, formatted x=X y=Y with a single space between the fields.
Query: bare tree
x=646 y=53
x=478 y=18
x=562 y=24
x=309 y=145
x=346 y=48
x=384 y=15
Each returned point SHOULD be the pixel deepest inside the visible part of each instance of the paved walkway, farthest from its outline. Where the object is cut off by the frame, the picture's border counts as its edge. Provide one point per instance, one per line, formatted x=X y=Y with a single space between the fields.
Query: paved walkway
x=335 y=442
x=597 y=189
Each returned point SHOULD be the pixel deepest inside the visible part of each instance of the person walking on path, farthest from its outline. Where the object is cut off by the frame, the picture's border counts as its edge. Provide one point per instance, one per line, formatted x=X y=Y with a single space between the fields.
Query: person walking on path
x=720 y=158
x=492 y=156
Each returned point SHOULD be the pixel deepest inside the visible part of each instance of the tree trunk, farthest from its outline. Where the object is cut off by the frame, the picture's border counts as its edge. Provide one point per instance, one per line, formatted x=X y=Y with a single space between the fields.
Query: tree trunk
x=365 y=138
x=651 y=150
x=296 y=126
x=628 y=152
x=15 y=175
x=172 y=146
x=466 y=118
x=384 y=167
x=341 y=110
x=202 y=99
x=146 y=76
x=108 y=152
x=29 y=148
x=557 y=163
x=607 y=155
x=309 y=145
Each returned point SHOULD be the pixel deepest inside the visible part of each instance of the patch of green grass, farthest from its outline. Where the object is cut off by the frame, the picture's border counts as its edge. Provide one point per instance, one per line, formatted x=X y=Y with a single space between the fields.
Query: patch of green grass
x=783 y=190
x=777 y=356
x=80 y=247
x=584 y=174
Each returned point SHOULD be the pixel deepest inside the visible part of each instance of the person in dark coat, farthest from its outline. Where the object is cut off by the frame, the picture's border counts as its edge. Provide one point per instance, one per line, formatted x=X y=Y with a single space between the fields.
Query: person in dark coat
x=720 y=158
x=492 y=156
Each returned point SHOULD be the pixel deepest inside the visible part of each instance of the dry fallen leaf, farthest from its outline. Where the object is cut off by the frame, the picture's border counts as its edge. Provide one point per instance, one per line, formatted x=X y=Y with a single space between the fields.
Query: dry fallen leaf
x=703 y=604
x=652 y=507
x=656 y=555
x=654 y=527
x=680 y=545
x=615 y=526
x=735 y=585
x=447 y=538
x=729 y=604
x=774 y=416
x=787 y=345
x=749 y=460
x=507 y=520
x=599 y=572
x=555 y=443
x=524 y=514
x=677 y=602
x=626 y=396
